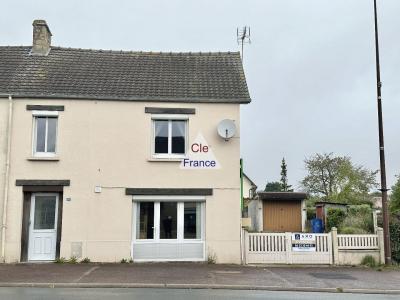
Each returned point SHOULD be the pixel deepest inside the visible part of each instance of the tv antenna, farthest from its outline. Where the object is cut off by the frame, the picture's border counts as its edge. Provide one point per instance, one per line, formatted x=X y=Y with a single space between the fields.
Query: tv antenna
x=243 y=36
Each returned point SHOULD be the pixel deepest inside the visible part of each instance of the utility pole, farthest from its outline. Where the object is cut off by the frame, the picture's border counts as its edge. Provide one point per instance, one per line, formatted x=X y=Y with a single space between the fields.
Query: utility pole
x=386 y=233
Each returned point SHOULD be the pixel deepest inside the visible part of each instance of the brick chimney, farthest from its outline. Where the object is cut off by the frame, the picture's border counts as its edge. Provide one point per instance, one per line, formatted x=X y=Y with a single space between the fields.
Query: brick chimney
x=41 y=38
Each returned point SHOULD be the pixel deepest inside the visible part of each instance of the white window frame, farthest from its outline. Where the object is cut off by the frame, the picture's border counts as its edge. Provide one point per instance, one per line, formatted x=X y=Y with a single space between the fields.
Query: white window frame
x=180 y=218
x=168 y=118
x=48 y=114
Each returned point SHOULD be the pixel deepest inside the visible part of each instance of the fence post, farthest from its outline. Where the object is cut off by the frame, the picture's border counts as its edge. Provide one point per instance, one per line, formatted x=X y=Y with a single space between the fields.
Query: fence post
x=245 y=241
x=288 y=240
x=335 y=248
x=381 y=245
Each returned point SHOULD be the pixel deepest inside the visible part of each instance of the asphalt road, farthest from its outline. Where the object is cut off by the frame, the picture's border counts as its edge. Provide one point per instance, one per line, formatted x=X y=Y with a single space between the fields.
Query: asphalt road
x=169 y=294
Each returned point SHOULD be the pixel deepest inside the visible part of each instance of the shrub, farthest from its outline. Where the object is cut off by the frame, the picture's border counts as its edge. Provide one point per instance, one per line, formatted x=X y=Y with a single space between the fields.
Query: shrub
x=359 y=217
x=395 y=238
x=334 y=218
x=351 y=230
x=73 y=260
x=124 y=261
x=212 y=257
x=60 y=260
x=311 y=213
x=86 y=260
x=369 y=261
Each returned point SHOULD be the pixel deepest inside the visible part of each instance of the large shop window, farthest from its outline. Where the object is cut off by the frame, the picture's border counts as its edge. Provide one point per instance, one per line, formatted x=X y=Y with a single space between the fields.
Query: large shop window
x=169 y=138
x=169 y=220
x=45 y=135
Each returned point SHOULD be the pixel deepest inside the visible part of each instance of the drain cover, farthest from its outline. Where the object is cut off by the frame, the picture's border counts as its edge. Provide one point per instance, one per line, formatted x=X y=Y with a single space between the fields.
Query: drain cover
x=333 y=276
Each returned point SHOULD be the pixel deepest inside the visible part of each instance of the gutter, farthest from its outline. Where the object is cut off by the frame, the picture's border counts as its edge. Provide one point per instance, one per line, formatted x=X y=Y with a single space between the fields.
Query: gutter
x=7 y=178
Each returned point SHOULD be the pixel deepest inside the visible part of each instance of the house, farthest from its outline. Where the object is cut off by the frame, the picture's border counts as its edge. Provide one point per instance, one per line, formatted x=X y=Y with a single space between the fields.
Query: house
x=249 y=193
x=115 y=154
x=321 y=209
x=279 y=212
x=249 y=188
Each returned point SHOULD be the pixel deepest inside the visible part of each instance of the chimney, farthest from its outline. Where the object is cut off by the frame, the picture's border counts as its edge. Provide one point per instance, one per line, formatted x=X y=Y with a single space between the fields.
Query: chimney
x=41 y=38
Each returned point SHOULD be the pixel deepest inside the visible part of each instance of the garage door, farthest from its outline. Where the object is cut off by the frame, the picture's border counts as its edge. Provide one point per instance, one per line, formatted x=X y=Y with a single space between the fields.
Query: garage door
x=282 y=216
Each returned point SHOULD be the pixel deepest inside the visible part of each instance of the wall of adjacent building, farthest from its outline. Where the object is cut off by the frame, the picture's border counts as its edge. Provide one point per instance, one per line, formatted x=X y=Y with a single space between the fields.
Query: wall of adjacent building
x=108 y=143
x=4 y=108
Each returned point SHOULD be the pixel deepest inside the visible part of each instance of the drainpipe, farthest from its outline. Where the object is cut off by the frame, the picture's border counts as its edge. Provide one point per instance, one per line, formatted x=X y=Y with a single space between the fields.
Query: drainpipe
x=7 y=177
x=241 y=185
x=242 y=245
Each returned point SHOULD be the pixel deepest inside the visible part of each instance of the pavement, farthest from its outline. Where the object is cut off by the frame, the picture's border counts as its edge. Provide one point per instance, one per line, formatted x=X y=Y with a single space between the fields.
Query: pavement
x=19 y=293
x=202 y=276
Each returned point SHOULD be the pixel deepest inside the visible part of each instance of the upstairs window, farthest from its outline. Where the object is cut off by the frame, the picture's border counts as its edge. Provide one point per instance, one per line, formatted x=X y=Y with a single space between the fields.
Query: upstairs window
x=45 y=135
x=169 y=138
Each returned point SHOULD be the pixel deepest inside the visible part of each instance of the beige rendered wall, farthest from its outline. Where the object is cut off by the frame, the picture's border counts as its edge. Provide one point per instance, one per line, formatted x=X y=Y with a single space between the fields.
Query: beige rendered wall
x=4 y=108
x=108 y=143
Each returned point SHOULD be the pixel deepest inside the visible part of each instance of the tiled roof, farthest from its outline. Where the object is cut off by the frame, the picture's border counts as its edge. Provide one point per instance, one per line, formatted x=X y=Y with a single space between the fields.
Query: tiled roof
x=122 y=75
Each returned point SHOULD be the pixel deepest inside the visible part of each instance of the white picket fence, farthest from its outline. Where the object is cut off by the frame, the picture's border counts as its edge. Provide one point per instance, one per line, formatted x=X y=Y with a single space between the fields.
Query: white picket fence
x=276 y=248
x=365 y=241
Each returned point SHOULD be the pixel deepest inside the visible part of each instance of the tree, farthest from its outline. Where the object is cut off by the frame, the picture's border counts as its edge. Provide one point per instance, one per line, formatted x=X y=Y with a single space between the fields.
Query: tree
x=284 y=181
x=336 y=178
x=395 y=197
x=274 y=186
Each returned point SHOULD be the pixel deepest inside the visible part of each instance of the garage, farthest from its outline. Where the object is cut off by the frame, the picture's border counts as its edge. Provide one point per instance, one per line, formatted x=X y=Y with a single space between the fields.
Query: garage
x=279 y=211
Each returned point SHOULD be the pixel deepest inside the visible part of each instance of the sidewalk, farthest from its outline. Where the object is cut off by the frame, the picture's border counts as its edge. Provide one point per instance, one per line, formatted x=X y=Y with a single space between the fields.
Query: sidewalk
x=196 y=275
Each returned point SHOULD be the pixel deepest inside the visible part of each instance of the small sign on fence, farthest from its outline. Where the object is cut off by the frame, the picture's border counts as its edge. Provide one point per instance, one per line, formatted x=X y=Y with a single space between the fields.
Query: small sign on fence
x=303 y=242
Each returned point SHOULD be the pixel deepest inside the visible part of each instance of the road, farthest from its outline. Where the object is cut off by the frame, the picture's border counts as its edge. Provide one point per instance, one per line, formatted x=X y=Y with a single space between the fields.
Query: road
x=7 y=293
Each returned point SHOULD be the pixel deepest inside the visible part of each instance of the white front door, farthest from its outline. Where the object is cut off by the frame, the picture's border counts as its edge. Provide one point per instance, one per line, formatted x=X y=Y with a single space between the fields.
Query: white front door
x=43 y=227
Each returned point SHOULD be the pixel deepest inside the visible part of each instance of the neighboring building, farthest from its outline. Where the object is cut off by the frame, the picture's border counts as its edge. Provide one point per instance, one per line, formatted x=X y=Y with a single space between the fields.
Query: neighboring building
x=321 y=209
x=249 y=188
x=279 y=212
x=249 y=193
x=114 y=154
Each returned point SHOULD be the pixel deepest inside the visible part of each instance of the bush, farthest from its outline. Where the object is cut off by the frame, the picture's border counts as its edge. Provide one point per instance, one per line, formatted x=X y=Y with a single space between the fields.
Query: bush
x=124 y=261
x=369 y=261
x=351 y=230
x=334 y=218
x=395 y=238
x=311 y=213
x=60 y=260
x=359 y=217
x=73 y=260
x=86 y=260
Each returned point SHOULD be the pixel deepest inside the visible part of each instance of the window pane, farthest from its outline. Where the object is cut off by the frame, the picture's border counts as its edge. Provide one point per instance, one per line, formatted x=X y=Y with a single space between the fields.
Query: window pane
x=178 y=137
x=51 y=134
x=192 y=220
x=144 y=230
x=168 y=218
x=45 y=212
x=40 y=134
x=161 y=137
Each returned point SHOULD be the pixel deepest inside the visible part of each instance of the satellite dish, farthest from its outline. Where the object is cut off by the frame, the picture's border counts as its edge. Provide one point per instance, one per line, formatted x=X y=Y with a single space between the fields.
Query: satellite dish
x=226 y=129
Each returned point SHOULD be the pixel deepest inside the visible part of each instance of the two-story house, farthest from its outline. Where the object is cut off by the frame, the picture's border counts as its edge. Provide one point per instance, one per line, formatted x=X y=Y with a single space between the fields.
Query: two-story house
x=116 y=154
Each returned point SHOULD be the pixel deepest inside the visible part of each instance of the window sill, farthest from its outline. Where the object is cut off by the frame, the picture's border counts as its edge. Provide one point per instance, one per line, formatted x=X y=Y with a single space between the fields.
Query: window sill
x=164 y=159
x=37 y=158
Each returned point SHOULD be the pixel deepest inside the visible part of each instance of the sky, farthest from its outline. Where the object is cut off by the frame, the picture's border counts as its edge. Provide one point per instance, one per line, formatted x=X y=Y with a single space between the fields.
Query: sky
x=310 y=67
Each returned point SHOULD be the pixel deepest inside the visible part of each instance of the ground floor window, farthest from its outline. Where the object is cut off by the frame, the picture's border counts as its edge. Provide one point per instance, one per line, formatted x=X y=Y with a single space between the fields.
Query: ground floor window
x=168 y=230
x=169 y=220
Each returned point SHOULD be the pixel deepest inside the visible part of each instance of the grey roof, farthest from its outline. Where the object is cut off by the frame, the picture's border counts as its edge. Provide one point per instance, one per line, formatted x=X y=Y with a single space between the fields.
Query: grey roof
x=282 y=195
x=121 y=75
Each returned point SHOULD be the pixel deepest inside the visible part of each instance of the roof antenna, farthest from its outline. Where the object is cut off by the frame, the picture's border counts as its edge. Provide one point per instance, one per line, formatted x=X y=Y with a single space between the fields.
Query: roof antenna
x=243 y=37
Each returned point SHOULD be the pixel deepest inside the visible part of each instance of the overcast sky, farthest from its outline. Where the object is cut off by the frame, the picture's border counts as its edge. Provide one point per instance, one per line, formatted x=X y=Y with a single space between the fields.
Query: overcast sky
x=310 y=67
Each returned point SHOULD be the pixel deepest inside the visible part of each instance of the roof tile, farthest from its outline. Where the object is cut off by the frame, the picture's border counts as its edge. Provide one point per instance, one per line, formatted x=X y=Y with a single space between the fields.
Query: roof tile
x=122 y=75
